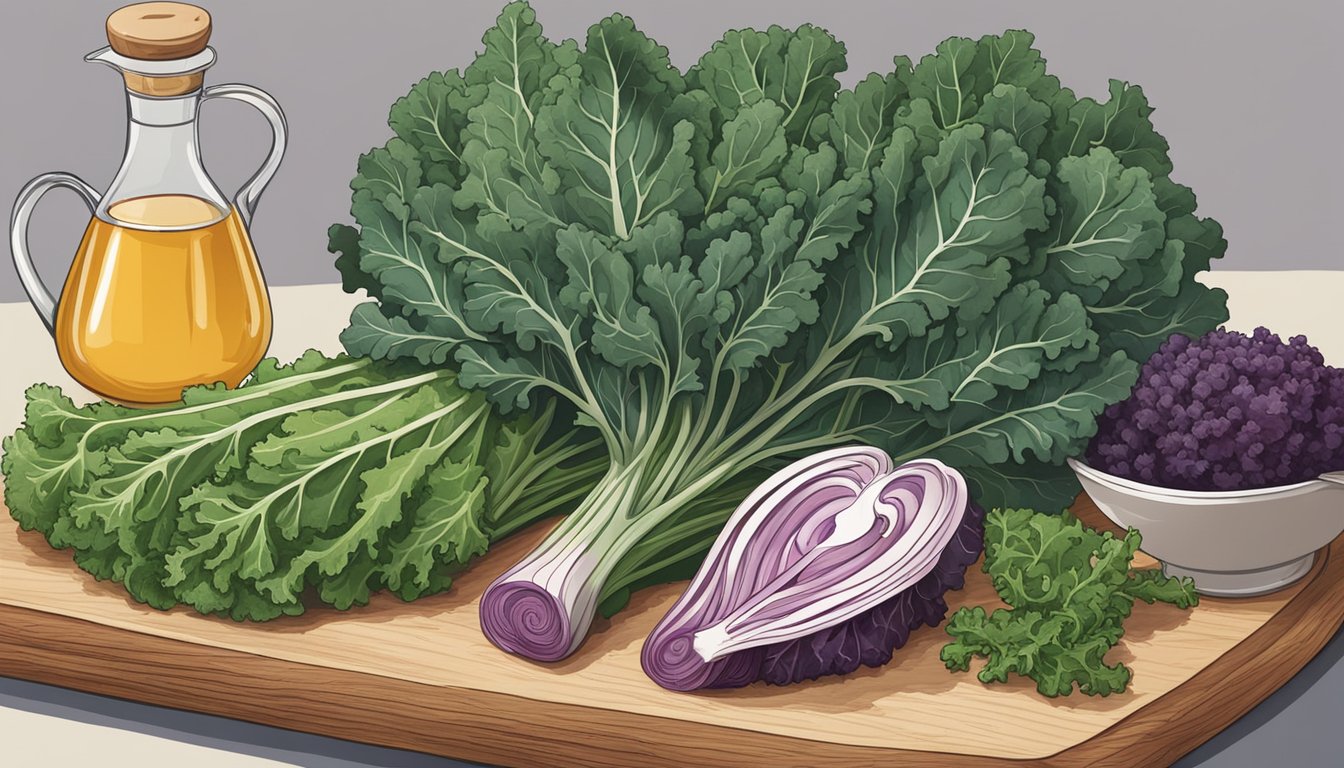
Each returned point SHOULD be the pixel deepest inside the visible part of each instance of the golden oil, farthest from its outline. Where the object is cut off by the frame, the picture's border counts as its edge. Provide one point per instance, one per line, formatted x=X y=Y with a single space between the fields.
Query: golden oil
x=146 y=312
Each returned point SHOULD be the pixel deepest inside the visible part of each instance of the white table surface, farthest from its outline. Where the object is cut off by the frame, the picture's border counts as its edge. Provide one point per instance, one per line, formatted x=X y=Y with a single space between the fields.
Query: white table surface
x=54 y=728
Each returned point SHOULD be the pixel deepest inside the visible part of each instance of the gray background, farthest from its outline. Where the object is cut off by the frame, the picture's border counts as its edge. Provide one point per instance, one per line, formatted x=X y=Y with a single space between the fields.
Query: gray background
x=1246 y=93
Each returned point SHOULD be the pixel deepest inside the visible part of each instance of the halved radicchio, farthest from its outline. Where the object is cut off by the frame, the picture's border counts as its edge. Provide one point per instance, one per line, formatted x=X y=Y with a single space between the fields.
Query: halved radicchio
x=826 y=567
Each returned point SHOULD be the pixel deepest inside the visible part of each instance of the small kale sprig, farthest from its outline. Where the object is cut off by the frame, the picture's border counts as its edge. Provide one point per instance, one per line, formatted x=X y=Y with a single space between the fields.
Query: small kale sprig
x=1069 y=590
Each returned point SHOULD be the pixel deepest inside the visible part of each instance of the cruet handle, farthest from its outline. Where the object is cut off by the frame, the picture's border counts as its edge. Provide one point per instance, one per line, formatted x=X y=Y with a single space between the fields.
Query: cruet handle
x=42 y=300
x=263 y=102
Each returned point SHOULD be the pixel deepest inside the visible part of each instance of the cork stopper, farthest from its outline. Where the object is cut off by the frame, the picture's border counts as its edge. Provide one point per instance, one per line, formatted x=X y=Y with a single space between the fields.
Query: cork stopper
x=157 y=32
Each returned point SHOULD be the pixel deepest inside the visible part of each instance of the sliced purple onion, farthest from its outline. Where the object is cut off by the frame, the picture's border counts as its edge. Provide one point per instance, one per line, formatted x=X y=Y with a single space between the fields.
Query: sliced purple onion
x=826 y=566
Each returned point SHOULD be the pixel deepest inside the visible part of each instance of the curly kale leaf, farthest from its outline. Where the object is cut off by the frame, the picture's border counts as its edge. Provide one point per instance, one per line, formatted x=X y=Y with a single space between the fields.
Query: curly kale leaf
x=343 y=476
x=1069 y=590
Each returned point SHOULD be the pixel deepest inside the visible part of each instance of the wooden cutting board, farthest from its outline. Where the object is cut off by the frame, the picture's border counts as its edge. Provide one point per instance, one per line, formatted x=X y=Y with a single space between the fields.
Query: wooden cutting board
x=420 y=676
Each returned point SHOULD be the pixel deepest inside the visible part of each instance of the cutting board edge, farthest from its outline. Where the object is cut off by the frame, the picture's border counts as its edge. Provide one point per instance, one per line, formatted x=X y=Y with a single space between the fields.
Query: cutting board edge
x=502 y=728
x=40 y=645
x=1170 y=727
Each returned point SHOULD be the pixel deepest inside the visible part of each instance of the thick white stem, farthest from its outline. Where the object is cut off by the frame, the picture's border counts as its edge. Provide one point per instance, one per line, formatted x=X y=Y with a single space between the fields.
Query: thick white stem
x=542 y=607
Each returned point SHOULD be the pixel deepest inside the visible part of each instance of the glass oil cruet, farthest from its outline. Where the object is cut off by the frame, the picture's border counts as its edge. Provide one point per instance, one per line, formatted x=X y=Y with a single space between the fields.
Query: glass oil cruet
x=165 y=290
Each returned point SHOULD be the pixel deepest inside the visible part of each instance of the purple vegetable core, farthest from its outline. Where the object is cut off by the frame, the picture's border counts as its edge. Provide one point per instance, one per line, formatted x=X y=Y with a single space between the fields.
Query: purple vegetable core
x=525 y=619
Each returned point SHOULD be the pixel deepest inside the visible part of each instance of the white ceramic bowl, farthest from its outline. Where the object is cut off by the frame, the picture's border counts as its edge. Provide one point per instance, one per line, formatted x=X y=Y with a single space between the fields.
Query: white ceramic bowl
x=1232 y=543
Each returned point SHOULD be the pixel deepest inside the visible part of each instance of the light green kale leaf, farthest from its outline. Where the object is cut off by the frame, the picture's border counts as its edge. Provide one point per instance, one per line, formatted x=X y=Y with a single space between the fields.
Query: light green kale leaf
x=343 y=476
x=1069 y=590
x=447 y=528
x=323 y=469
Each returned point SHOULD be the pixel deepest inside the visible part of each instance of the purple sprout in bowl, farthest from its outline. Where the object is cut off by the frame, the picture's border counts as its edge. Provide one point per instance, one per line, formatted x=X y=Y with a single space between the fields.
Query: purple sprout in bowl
x=1217 y=457
x=1226 y=412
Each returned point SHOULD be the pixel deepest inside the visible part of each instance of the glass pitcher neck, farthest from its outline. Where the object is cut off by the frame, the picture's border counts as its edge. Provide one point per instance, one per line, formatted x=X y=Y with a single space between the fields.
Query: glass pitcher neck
x=162 y=111
x=163 y=159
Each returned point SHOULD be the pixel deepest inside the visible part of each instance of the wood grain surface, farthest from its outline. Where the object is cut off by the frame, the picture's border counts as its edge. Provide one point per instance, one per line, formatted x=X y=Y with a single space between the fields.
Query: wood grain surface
x=420 y=676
